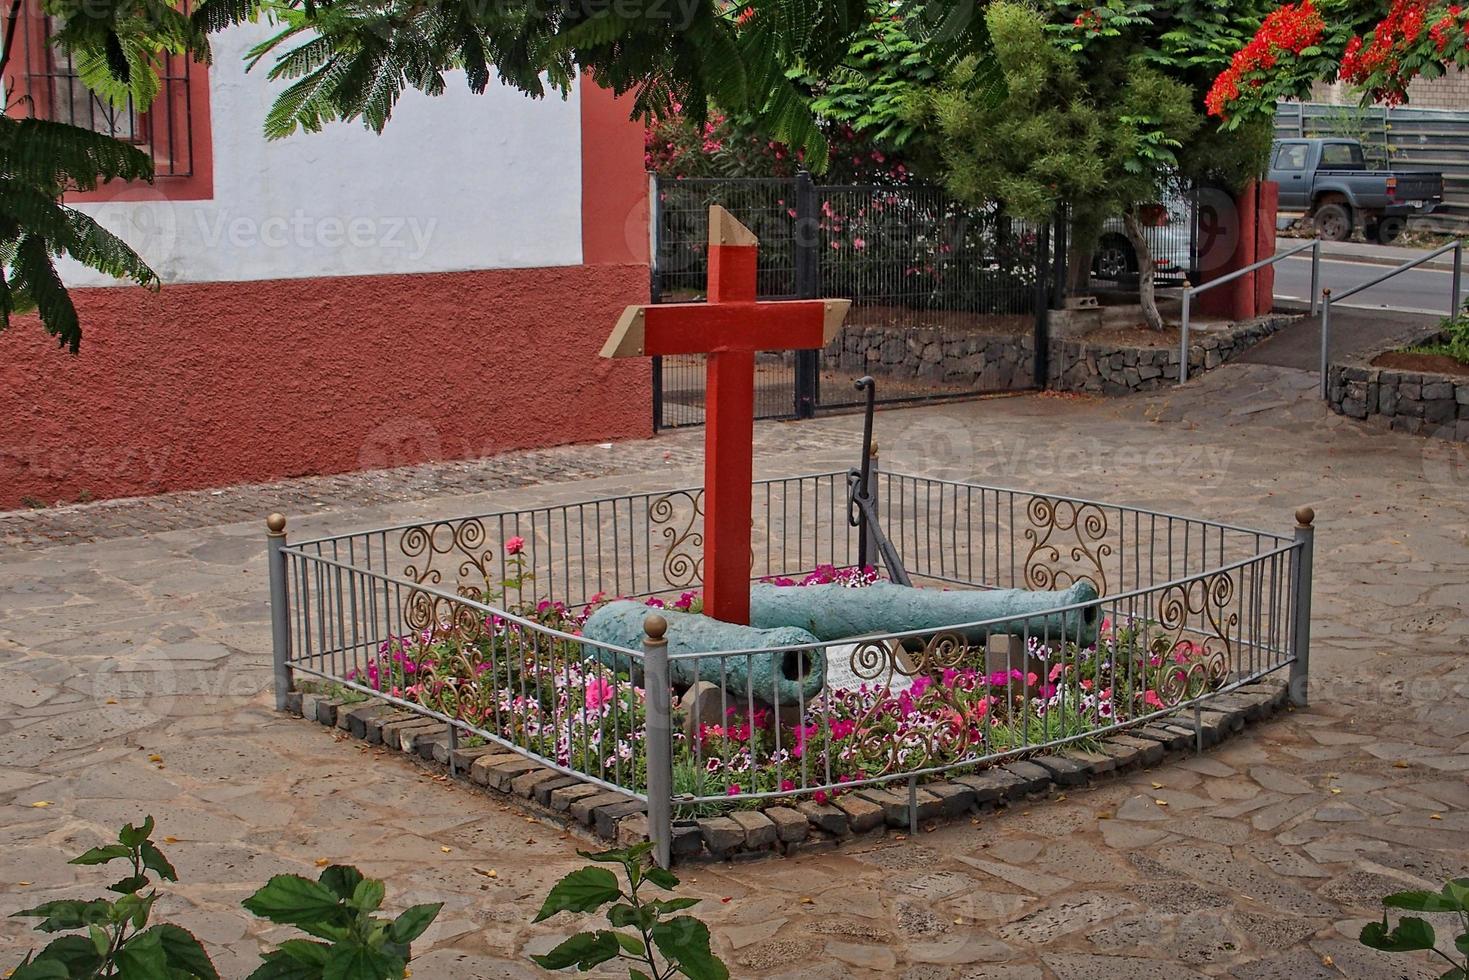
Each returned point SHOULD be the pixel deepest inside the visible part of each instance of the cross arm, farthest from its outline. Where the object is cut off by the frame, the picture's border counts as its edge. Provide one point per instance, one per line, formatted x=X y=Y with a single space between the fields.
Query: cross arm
x=702 y=328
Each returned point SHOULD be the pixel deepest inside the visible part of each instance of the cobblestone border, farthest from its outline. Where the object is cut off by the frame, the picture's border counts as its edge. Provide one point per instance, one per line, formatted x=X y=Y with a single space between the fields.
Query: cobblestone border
x=800 y=827
x=1419 y=403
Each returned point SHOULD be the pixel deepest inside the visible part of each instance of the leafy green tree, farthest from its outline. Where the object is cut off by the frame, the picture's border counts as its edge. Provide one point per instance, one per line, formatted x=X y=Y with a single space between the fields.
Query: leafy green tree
x=1095 y=131
x=1100 y=113
x=860 y=107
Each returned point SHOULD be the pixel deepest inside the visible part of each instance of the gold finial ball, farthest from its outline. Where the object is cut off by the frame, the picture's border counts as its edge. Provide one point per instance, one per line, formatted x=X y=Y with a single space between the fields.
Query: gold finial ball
x=1304 y=516
x=655 y=626
x=276 y=523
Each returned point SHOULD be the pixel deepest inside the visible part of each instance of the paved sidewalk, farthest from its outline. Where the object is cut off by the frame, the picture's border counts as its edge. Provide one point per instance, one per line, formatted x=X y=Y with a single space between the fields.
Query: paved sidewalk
x=1371 y=253
x=148 y=637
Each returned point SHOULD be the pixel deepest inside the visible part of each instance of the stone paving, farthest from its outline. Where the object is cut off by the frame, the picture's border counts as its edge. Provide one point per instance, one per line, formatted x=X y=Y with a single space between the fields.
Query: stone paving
x=136 y=681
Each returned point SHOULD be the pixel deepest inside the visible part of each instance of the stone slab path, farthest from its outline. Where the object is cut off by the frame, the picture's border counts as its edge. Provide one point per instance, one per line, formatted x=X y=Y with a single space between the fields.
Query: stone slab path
x=134 y=644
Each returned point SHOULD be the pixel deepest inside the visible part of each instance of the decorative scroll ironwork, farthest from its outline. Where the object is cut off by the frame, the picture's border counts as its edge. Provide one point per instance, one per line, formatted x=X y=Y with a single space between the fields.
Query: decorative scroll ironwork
x=683 y=563
x=1064 y=527
x=1188 y=668
x=422 y=544
x=880 y=662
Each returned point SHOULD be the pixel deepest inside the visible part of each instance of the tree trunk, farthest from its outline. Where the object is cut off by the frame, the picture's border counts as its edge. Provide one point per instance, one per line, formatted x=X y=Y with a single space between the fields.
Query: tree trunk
x=1147 y=272
x=1086 y=229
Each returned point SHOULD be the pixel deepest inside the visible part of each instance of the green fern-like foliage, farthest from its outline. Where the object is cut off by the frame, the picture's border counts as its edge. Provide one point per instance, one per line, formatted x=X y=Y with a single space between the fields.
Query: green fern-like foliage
x=117 y=47
x=39 y=161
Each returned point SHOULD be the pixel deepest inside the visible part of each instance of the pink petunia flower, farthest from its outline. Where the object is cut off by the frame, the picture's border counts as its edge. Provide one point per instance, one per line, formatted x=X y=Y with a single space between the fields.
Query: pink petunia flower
x=599 y=691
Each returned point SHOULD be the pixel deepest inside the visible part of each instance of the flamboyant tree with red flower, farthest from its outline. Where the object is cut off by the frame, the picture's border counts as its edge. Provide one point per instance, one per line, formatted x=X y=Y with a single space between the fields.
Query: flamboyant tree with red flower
x=1377 y=47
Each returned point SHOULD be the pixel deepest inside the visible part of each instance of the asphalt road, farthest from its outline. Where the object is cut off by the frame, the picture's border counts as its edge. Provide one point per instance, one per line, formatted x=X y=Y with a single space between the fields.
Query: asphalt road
x=1416 y=291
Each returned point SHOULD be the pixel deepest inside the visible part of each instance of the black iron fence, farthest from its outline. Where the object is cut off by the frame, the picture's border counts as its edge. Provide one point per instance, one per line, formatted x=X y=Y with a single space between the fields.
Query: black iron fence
x=941 y=291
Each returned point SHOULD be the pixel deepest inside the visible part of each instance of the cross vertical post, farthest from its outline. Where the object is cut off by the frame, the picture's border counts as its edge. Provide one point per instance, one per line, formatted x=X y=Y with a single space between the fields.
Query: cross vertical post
x=729 y=328
x=729 y=432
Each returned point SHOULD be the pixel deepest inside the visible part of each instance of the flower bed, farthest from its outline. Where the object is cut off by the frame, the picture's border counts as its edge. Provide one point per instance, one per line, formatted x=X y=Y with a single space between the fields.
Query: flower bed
x=1430 y=403
x=498 y=676
x=470 y=630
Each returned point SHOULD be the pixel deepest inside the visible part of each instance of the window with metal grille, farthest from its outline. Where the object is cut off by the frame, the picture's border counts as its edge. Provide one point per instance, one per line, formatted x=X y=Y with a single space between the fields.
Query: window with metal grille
x=45 y=84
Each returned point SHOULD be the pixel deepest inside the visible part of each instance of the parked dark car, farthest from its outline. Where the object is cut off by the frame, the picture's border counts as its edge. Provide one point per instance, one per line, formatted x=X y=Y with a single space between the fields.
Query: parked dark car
x=1329 y=180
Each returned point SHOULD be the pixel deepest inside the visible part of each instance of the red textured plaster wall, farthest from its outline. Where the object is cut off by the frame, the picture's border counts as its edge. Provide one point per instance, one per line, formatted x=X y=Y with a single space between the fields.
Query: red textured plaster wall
x=222 y=383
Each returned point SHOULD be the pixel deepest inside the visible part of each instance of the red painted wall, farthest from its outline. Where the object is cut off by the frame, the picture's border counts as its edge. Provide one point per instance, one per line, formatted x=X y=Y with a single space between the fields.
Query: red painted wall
x=614 y=185
x=221 y=383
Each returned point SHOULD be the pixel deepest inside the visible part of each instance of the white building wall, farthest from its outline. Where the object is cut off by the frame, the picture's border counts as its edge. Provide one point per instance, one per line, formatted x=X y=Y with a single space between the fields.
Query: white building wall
x=454 y=183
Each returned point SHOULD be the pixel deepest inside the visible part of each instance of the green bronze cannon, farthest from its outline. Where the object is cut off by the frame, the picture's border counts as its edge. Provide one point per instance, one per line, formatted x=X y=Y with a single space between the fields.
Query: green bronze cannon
x=793 y=672
x=794 y=621
x=837 y=612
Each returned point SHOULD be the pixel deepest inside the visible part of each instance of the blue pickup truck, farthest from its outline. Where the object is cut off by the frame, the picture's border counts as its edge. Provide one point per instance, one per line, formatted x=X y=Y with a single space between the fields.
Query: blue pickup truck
x=1329 y=180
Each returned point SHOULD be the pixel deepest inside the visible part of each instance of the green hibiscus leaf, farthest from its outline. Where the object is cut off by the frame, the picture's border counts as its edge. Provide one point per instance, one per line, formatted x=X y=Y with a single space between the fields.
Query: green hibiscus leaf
x=184 y=952
x=155 y=862
x=412 y=923
x=685 y=941
x=142 y=958
x=293 y=900
x=583 y=951
x=354 y=961
x=661 y=877
x=278 y=966
x=1410 y=934
x=131 y=837
x=581 y=891
x=368 y=895
x=64 y=916
x=342 y=879
x=103 y=854
x=77 y=956
x=1421 y=902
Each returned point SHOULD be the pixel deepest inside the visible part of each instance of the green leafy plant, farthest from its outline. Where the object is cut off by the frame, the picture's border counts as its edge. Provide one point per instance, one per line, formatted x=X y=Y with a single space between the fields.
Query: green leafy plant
x=336 y=909
x=1412 y=934
x=112 y=937
x=668 y=945
x=1455 y=342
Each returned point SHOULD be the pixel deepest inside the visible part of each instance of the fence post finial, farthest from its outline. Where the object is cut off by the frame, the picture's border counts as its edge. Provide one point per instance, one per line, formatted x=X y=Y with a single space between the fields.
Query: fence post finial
x=1300 y=666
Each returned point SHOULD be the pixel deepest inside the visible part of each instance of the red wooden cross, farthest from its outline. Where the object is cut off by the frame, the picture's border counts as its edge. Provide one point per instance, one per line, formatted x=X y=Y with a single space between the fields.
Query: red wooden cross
x=729 y=328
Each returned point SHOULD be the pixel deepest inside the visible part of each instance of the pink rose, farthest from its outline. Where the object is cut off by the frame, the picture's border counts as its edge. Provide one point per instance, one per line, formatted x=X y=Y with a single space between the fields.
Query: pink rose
x=515 y=545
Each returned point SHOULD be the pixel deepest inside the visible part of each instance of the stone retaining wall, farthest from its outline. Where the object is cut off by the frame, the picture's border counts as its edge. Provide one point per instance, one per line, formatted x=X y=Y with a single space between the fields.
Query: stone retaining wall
x=961 y=358
x=973 y=360
x=798 y=826
x=1429 y=404
x=1112 y=369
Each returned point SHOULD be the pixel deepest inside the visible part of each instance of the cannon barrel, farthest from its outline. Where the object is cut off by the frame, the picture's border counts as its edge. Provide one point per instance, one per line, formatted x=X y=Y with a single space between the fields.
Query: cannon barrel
x=793 y=672
x=837 y=612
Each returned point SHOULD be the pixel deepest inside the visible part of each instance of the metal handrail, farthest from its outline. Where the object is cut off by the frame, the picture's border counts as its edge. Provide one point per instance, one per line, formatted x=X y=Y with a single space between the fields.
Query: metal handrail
x=1314 y=245
x=1456 y=287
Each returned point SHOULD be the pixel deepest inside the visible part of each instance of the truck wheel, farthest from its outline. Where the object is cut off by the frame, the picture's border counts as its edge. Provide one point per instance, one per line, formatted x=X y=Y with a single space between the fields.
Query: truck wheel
x=1115 y=260
x=1334 y=222
x=1388 y=230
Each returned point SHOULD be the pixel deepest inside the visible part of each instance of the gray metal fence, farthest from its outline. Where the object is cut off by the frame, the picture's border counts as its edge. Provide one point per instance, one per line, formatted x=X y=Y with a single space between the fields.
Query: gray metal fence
x=476 y=621
x=1398 y=138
